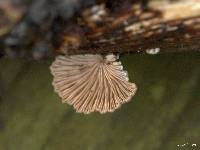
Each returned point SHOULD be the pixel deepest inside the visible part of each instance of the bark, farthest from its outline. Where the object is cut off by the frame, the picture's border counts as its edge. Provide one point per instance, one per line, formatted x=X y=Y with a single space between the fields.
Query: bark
x=98 y=26
x=164 y=26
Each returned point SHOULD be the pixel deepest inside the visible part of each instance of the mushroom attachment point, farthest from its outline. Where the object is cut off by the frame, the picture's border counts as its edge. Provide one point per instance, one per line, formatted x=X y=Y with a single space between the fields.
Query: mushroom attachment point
x=92 y=82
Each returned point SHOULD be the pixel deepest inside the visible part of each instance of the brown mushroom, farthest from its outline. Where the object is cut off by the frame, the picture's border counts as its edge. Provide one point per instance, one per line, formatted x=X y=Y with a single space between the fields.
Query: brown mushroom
x=92 y=82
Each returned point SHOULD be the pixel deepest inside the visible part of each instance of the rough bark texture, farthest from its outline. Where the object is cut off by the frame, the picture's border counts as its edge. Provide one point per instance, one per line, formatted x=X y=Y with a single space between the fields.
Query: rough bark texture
x=97 y=26
x=170 y=27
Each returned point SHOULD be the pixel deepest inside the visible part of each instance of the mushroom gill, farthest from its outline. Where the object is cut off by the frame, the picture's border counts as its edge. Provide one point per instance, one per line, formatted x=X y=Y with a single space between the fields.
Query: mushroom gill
x=92 y=82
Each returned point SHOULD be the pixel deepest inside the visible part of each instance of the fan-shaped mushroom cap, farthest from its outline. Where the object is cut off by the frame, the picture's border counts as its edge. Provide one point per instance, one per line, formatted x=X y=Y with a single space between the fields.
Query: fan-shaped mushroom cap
x=92 y=82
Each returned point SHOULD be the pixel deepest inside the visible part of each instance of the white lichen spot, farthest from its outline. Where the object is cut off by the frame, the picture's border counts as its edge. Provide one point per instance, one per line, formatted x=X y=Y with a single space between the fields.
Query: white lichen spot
x=98 y=12
x=173 y=28
x=125 y=22
x=134 y=29
x=153 y=51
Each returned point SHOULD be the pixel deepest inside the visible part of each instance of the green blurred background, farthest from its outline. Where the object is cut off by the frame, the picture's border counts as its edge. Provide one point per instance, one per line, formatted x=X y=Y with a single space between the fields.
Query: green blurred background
x=163 y=114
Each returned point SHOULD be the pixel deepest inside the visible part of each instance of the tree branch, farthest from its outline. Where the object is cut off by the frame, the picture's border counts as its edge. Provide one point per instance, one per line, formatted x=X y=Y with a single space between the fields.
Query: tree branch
x=170 y=27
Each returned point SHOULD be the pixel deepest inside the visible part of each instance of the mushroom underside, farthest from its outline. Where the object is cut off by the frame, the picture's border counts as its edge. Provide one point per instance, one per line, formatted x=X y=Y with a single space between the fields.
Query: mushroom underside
x=91 y=82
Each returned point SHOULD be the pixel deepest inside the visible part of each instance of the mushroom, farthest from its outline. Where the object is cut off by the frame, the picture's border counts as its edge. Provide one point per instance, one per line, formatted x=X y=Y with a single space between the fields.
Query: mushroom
x=92 y=82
